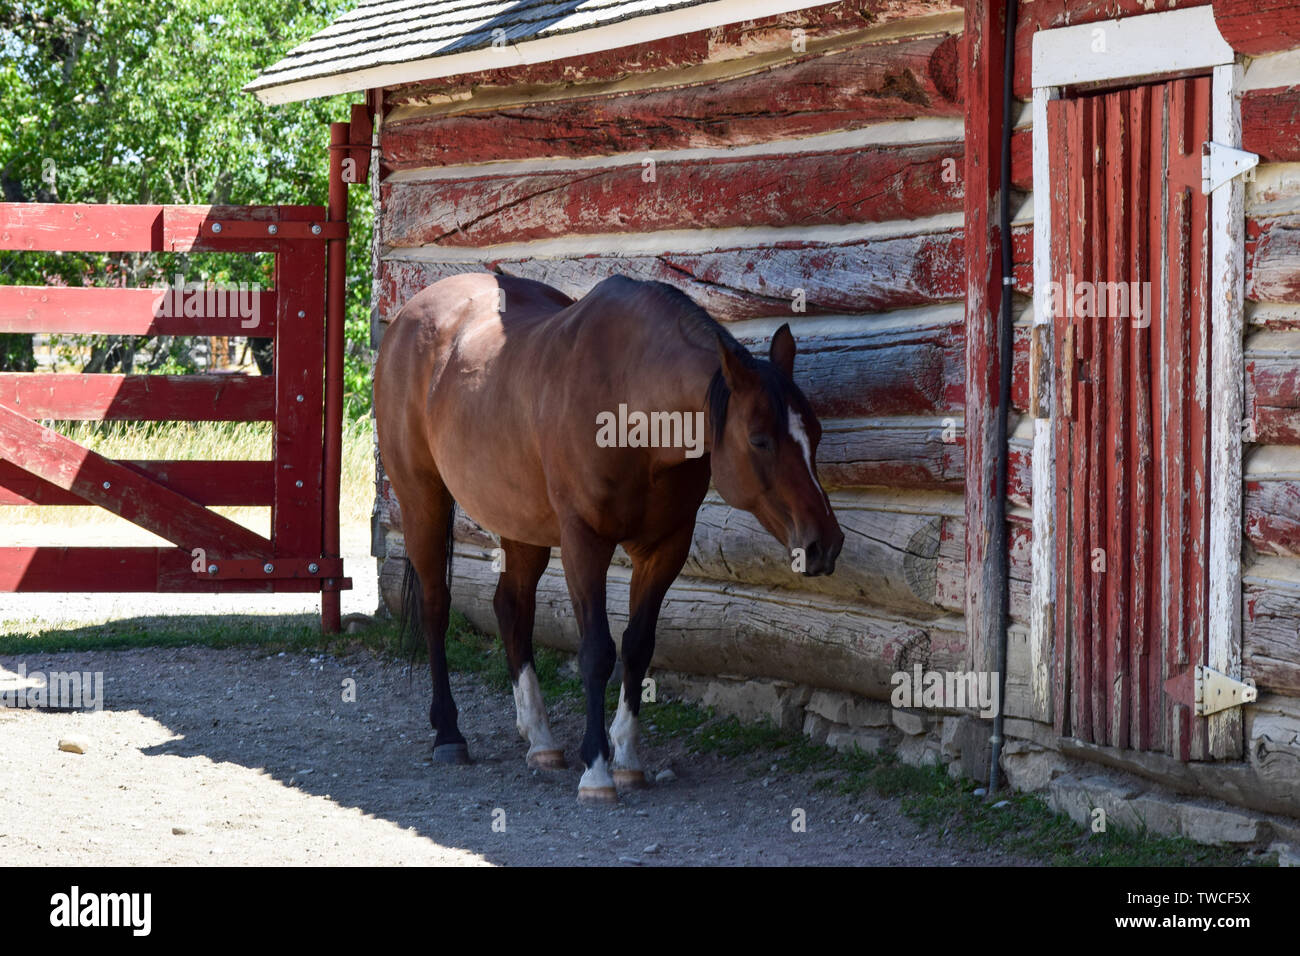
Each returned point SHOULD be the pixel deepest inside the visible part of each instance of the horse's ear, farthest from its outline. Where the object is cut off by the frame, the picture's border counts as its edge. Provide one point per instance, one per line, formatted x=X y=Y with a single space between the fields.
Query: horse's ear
x=735 y=372
x=782 y=350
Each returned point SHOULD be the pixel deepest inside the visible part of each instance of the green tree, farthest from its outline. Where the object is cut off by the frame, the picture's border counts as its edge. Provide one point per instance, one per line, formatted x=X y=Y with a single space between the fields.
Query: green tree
x=126 y=101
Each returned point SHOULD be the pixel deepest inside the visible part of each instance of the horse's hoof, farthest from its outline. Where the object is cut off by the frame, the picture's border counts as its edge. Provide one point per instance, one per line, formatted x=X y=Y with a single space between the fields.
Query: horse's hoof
x=600 y=796
x=629 y=779
x=451 y=753
x=547 y=760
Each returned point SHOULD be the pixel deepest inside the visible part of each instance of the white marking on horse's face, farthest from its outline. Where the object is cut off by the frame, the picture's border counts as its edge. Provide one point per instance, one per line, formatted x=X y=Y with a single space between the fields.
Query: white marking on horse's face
x=800 y=435
x=530 y=711
x=623 y=734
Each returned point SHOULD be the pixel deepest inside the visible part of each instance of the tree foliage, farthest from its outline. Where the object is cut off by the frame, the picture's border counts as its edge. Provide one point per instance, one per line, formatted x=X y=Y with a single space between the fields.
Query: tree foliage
x=124 y=101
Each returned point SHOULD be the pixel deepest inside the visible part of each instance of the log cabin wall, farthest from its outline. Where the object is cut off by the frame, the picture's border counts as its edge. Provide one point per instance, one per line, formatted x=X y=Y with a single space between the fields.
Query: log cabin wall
x=827 y=169
x=832 y=166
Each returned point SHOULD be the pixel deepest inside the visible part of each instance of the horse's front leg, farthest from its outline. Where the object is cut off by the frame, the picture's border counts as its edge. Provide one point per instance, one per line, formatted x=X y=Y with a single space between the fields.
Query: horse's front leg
x=586 y=560
x=654 y=568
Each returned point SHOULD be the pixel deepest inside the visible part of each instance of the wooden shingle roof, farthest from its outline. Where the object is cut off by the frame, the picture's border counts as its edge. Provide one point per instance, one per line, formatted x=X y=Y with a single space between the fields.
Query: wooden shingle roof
x=388 y=42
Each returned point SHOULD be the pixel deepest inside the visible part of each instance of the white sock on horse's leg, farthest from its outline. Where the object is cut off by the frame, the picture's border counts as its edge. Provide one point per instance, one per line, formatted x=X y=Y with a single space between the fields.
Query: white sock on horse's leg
x=596 y=785
x=530 y=719
x=624 y=734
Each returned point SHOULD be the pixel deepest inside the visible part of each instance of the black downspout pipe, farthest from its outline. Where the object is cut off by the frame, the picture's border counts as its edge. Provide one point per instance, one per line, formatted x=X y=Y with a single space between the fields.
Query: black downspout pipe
x=1005 y=362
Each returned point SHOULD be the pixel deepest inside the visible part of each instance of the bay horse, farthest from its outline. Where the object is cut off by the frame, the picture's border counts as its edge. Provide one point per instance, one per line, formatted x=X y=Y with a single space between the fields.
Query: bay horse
x=489 y=393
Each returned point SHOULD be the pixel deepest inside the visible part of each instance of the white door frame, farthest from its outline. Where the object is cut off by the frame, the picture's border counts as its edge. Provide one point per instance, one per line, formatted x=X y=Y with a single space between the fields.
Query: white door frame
x=1138 y=48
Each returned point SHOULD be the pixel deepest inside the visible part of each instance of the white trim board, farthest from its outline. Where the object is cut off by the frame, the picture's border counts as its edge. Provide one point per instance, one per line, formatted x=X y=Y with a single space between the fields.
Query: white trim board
x=631 y=32
x=1132 y=47
x=1141 y=48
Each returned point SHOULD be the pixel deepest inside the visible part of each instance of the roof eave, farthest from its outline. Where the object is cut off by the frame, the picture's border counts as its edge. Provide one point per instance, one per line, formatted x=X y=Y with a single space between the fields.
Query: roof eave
x=610 y=36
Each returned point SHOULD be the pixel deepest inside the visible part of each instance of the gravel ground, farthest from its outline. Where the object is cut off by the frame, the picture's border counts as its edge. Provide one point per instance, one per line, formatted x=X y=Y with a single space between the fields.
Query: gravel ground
x=241 y=756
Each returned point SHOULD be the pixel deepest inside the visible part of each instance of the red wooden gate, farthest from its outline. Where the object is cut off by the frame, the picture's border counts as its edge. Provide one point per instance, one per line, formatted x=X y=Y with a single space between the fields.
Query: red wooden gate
x=1132 y=448
x=300 y=483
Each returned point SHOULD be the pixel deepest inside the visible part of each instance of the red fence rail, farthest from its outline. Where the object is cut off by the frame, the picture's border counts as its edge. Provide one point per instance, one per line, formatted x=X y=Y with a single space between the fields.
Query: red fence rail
x=300 y=483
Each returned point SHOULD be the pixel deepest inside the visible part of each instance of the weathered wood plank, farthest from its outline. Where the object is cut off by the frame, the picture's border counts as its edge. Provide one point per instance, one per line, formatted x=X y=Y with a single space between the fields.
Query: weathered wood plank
x=986 y=28
x=1273 y=259
x=1270 y=124
x=1257 y=27
x=1270 y=653
x=1272 y=515
x=833 y=188
x=837 y=91
x=867 y=276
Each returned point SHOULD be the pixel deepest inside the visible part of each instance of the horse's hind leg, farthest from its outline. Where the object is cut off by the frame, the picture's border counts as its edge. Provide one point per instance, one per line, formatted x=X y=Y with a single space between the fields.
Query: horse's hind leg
x=653 y=571
x=427 y=527
x=586 y=560
x=515 y=603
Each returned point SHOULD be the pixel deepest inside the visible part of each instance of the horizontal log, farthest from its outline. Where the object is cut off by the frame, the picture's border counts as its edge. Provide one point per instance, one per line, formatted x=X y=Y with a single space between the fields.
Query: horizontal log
x=820 y=93
x=105 y=227
x=122 y=570
x=866 y=276
x=841 y=187
x=201 y=398
x=1257 y=27
x=733 y=41
x=1270 y=124
x=1273 y=259
x=237 y=483
x=1048 y=14
x=1273 y=400
x=880 y=370
x=707 y=627
x=80 y=311
x=889 y=560
x=892 y=453
x=1270 y=653
x=1272 y=515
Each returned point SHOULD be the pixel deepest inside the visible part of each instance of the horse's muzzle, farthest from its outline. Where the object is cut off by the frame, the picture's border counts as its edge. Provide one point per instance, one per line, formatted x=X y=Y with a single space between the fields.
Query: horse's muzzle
x=820 y=556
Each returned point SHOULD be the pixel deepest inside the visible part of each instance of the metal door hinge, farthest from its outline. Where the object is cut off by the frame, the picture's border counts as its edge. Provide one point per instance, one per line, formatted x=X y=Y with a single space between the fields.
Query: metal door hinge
x=1221 y=164
x=1216 y=692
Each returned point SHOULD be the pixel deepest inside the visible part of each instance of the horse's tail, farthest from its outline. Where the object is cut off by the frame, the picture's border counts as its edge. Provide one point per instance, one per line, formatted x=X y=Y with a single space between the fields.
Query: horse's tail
x=410 y=630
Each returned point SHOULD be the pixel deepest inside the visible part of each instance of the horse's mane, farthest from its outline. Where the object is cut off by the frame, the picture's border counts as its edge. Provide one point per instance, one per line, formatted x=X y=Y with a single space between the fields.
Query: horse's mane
x=666 y=303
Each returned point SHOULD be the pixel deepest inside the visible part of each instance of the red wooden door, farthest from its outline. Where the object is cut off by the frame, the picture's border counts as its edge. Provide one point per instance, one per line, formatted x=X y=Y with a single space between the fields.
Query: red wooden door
x=1131 y=342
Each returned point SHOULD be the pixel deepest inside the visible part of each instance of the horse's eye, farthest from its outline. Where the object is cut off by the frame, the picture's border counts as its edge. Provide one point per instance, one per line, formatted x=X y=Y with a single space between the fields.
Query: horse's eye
x=761 y=442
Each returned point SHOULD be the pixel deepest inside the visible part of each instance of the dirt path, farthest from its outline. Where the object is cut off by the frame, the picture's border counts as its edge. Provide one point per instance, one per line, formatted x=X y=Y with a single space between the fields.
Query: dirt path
x=238 y=756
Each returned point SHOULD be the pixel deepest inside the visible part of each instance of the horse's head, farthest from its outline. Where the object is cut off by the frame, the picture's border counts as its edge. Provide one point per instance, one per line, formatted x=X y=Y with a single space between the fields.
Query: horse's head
x=764 y=452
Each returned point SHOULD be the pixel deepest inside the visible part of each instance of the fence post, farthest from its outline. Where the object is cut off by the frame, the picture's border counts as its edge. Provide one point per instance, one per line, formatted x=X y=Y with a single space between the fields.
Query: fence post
x=331 y=622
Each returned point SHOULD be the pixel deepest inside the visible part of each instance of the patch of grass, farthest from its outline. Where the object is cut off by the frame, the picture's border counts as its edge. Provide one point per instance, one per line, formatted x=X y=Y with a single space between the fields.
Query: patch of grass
x=280 y=633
